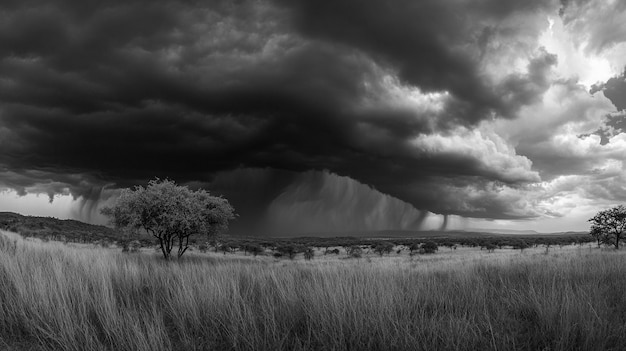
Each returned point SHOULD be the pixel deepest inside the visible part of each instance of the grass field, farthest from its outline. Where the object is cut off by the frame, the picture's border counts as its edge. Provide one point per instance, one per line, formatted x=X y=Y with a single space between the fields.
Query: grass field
x=59 y=297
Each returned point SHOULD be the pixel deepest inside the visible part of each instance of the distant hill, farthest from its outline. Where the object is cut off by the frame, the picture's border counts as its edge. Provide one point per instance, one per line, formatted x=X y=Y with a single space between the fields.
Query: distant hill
x=49 y=228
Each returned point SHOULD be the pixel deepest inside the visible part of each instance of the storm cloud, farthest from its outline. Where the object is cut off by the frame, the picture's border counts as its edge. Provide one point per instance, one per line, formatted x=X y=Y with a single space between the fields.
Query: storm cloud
x=400 y=99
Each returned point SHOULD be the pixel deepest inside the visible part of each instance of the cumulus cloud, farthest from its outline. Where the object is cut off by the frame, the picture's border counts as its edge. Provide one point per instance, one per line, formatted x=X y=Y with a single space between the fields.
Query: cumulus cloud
x=601 y=24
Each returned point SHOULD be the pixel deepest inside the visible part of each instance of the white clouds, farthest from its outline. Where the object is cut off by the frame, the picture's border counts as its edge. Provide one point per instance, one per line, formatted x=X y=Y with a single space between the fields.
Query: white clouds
x=598 y=25
x=573 y=60
x=483 y=145
x=564 y=108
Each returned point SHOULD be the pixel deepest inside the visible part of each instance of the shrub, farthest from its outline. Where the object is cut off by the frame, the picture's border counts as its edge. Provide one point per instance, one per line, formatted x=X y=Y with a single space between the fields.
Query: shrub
x=354 y=251
x=134 y=246
x=254 y=249
x=226 y=247
x=309 y=253
x=429 y=247
x=449 y=245
x=125 y=244
x=490 y=247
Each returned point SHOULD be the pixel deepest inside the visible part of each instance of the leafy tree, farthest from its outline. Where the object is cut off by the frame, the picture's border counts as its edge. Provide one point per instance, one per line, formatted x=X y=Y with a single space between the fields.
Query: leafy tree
x=609 y=225
x=225 y=248
x=383 y=248
x=171 y=213
x=290 y=250
x=253 y=248
x=354 y=251
x=520 y=244
x=490 y=247
x=599 y=235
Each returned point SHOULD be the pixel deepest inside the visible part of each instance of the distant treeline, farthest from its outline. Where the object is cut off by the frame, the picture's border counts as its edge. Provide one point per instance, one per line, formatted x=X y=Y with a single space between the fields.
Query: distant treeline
x=48 y=228
x=496 y=240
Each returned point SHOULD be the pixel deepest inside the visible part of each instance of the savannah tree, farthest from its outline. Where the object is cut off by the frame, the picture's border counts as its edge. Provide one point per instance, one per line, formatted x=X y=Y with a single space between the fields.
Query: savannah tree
x=171 y=213
x=608 y=226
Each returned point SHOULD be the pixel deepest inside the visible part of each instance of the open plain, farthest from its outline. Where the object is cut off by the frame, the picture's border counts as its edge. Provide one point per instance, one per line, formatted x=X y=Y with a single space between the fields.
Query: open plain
x=83 y=297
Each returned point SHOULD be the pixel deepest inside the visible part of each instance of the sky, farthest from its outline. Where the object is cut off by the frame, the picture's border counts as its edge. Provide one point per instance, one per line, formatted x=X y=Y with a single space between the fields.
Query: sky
x=316 y=116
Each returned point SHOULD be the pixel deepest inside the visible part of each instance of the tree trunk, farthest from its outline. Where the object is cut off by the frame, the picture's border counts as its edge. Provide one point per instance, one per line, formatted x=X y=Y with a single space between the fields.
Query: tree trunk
x=617 y=241
x=167 y=242
x=163 y=250
x=183 y=245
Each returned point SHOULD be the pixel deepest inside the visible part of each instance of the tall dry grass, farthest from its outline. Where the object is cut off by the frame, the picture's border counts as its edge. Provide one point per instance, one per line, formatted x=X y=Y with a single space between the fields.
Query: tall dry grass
x=60 y=298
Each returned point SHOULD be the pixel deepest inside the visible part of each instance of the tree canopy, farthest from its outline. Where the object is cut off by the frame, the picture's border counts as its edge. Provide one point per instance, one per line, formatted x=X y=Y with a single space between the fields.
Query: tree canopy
x=609 y=225
x=171 y=213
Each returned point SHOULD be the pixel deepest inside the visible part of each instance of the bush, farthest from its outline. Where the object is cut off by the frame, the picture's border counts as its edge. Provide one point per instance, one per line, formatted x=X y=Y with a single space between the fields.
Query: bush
x=254 y=249
x=290 y=250
x=309 y=253
x=430 y=247
x=226 y=248
x=125 y=244
x=354 y=251
x=134 y=246
x=333 y=251
x=449 y=245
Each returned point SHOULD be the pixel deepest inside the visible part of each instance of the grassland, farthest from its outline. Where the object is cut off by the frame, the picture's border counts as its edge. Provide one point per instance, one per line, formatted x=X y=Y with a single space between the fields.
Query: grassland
x=81 y=297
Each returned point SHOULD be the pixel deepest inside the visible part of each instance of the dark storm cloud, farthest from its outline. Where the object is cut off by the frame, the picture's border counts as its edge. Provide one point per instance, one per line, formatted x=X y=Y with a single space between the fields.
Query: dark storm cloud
x=52 y=183
x=614 y=89
x=120 y=92
x=271 y=201
x=436 y=45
